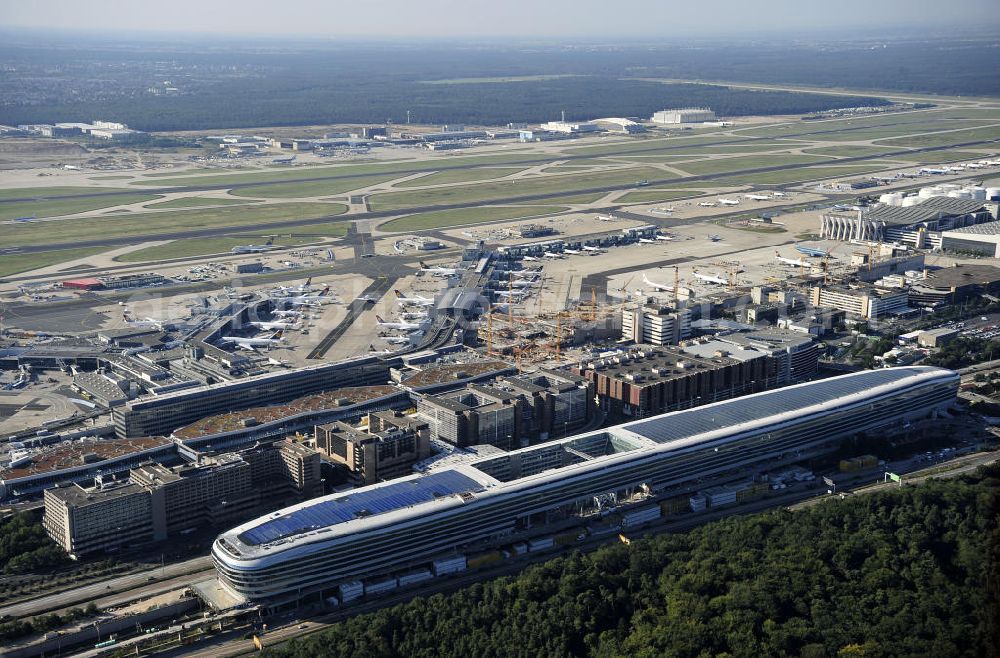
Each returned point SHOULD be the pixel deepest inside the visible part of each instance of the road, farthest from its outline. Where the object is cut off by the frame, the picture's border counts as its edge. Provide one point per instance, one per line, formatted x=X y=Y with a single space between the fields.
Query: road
x=117 y=590
x=276 y=226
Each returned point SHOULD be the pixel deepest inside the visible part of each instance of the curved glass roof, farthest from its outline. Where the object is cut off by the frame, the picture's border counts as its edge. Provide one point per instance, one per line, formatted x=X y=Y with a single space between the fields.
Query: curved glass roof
x=359 y=504
x=760 y=406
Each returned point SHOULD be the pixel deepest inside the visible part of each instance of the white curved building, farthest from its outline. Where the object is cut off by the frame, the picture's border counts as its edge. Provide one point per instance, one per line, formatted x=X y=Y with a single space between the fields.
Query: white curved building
x=405 y=524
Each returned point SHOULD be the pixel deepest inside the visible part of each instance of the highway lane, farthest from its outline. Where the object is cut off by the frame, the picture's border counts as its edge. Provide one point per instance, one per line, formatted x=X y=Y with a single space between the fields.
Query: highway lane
x=380 y=214
x=117 y=590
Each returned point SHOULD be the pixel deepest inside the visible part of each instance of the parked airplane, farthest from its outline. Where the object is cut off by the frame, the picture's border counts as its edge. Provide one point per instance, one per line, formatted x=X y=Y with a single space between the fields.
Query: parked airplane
x=552 y=254
x=932 y=170
x=813 y=251
x=646 y=241
x=287 y=314
x=757 y=197
x=415 y=300
x=310 y=300
x=251 y=343
x=793 y=262
x=729 y=202
x=572 y=252
x=666 y=238
x=301 y=288
x=714 y=238
x=708 y=204
x=401 y=326
x=530 y=259
x=396 y=340
x=437 y=270
x=712 y=278
x=253 y=248
x=147 y=323
x=659 y=287
x=523 y=284
x=413 y=316
x=366 y=299
x=24 y=219
x=512 y=294
x=274 y=325
x=779 y=194
x=596 y=250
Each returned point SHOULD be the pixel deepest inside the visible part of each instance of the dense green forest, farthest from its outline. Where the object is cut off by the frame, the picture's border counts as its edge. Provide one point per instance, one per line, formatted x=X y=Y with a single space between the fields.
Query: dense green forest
x=24 y=546
x=906 y=572
x=190 y=84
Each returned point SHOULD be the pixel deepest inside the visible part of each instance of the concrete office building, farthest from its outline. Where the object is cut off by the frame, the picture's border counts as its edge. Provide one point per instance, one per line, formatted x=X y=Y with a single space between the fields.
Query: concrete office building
x=868 y=303
x=645 y=381
x=102 y=519
x=685 y=115
x=472 y=416
x=159 y=501
x=388 y=448
x=655 y=325
x=307 y=550
x=555 y=403
x=796 y=355
x=165 y=413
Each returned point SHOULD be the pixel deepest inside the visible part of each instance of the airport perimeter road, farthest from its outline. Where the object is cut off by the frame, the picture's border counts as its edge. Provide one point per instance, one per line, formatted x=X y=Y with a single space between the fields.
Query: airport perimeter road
x=117 y=590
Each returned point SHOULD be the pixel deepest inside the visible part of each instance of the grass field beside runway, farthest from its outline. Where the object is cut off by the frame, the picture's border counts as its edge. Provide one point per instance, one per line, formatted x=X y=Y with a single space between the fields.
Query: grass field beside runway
x=740 y=163
x=486 y=192
x=197 y=202
x=17 y=263
x=463 y=216
x=56 y=207
x=652 y=196
x=204 y=246
x=459 y=176
x=798 y=175
x=139 y=225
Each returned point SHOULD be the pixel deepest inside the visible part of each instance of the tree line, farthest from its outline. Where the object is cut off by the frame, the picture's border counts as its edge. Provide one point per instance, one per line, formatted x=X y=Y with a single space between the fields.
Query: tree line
x=906 y=572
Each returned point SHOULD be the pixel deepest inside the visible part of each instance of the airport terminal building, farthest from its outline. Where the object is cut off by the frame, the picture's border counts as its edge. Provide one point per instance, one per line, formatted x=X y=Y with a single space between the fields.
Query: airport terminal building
x=394 y=533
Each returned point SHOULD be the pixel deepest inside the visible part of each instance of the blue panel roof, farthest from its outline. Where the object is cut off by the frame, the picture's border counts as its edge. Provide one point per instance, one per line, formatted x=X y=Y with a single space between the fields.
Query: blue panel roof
x=759 y=407
x=360 y=504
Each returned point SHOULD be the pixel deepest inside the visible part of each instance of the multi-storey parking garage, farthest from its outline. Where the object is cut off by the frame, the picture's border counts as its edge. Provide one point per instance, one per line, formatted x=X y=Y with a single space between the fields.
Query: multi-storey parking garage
x=387 y=528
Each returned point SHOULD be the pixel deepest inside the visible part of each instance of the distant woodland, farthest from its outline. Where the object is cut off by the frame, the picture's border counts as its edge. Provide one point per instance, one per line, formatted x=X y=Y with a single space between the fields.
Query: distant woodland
x=907 y=572
x=194 y=85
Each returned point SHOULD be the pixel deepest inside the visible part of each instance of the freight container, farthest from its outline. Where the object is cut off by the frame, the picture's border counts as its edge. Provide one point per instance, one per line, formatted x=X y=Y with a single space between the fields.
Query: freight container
x=520 y=548
x=640 y=516
x=698 y=502
x=718 y=496
x=351 y=591
x=482 y=559
x=414 y=577
x=540 y=544
x=381 y=586
x=449 y=565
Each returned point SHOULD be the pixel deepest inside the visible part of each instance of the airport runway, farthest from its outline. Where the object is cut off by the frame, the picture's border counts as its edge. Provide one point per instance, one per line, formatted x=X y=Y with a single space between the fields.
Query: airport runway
x=214 y=232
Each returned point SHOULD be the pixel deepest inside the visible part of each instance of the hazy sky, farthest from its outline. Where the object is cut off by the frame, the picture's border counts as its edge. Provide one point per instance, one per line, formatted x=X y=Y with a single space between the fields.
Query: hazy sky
x=470 y=18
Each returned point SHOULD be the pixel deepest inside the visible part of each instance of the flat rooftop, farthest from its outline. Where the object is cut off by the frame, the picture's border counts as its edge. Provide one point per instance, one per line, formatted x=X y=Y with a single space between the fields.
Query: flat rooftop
x=71 y=454
x=229 y=422
x=655 y=364
x=454 y=372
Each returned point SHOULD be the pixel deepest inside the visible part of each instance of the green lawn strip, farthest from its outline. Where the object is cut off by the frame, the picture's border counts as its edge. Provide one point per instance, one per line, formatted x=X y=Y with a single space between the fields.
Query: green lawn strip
x=647 y=145
x=152 y=224
x=485 y=192
x=17 y=263
x=573 y=199
x=646 y=196
x=725 y=165
x=197 y=202
x=198 y=171
x=460 y=176
x=56 y=207
x=313 y=189
x=911 y=122
x=55 y=192
x=110 y=178
x=203 y=246
x=944 y=139
x=935 y=157
x=796 y=175
x=850 y=150
x=463 y=216
x=336 y=171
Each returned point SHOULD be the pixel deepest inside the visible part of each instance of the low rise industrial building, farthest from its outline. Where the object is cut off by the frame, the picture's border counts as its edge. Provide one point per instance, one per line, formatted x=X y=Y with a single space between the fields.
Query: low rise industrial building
x=937 y=337
x=956 y=284
x=980 y=239
x=683 y=115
